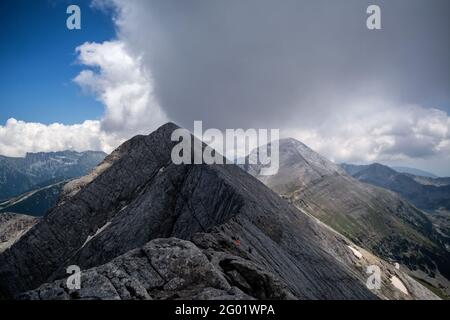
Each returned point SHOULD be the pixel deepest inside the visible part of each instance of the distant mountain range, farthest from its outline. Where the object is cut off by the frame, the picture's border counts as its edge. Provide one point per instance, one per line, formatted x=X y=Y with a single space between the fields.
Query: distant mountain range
x=141 y=227
x=427 y=193
x=32 y=184
x=374 y=218
x=414 y=171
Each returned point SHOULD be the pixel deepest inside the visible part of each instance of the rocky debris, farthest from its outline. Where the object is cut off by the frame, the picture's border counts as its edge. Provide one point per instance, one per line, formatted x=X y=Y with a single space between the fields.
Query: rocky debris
x=12 y=227
x=371 y=217
x=257 y=244
x=163 y=269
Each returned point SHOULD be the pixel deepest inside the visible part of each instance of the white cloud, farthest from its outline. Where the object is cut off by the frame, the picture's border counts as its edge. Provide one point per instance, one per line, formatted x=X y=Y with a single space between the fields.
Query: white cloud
x=19 y=137
x=122 y=85
x=376 y=131
x=116 y=79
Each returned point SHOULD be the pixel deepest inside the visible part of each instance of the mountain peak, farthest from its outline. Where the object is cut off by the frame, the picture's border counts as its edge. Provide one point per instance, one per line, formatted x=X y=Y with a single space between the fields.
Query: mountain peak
x=291 y=141
x=299 y=165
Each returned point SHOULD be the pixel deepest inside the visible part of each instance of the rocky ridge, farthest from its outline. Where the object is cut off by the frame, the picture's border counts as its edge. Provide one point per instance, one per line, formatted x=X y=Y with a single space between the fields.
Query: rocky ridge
x=147 y=227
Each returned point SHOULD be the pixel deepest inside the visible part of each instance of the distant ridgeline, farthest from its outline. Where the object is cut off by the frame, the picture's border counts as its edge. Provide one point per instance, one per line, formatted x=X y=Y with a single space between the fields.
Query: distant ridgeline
x=425 y=191
x=31 y=185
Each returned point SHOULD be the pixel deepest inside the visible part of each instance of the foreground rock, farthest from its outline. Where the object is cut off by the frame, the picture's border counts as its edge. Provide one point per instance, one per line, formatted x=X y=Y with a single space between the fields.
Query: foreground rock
x=169 y=269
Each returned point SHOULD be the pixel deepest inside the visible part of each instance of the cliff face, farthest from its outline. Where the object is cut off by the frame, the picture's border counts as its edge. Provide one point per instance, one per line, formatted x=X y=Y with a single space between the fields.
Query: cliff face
x=225 y=235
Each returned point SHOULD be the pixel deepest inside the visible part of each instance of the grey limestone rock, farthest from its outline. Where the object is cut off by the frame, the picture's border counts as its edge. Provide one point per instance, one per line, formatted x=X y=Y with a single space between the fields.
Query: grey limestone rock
x=236 y=238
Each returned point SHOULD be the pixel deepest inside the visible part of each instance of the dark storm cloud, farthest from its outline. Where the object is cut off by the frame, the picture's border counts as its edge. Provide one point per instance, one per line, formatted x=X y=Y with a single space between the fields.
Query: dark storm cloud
x=309 y=68
x=275 y=63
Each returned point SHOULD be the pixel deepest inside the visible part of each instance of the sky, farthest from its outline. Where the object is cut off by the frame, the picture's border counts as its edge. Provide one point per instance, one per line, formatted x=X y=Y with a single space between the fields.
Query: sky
x=310 y=68
x=37 y=60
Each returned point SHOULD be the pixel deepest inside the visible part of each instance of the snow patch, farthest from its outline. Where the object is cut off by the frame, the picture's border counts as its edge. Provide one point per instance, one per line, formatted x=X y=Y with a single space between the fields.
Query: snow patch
x=397 y=283
x=89 y=238
x=356 y=252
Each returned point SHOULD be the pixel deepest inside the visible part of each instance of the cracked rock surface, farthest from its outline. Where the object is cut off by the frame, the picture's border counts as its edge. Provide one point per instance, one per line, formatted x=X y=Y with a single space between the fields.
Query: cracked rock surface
x=162 y=269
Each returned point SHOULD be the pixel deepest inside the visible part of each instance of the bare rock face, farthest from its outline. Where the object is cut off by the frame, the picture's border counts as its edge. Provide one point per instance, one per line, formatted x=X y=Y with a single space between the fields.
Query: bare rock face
x=12 y=227
x=235 y=237
x=296 y=160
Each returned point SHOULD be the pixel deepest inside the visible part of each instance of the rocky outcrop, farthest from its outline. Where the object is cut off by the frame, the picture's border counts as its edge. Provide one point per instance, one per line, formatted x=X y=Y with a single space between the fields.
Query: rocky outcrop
x=12 y=227
x=249 y=240
x=168 y=269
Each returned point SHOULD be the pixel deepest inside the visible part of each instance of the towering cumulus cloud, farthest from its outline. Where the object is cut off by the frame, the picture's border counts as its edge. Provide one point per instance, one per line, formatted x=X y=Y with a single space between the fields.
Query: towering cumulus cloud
x=122 y=85
x=116 y=79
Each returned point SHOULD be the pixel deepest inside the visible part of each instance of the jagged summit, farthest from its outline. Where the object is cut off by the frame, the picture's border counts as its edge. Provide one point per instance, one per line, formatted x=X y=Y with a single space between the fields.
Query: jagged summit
x=299 y=166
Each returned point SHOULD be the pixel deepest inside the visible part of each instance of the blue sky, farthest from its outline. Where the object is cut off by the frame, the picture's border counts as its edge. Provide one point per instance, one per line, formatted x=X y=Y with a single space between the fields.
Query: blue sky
x=38 y=61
